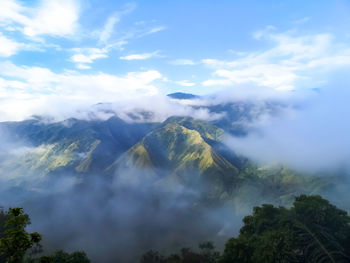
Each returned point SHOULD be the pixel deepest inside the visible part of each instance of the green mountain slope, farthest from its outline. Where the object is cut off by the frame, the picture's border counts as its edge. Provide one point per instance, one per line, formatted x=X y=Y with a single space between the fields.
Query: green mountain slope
x=74 y=146
x=181 y=151
x=183 y=155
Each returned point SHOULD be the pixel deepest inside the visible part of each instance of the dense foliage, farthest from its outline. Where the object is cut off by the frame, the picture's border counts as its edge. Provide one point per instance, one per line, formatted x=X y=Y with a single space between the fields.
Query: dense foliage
x=64 y=257
x=206 y=254
x=15 y=242
x=312 y=230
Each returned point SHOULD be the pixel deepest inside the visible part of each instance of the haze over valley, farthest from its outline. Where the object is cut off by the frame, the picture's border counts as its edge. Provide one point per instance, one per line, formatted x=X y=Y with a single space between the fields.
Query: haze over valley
x=136 y=126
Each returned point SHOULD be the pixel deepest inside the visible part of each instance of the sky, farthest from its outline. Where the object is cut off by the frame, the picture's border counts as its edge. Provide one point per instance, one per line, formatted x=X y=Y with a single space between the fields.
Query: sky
x=55 y=53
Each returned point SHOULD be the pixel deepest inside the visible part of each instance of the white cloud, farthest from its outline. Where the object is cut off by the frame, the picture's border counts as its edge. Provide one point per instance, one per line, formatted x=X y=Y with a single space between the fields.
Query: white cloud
x=81 y=58
x=25 y=91
x=85 y=56
x=35 y=90
x=56 y=18
x=261 y=33
x=312 y=138
x=8 y=47
x=112 y=21
x=152 y=31
x=108 y=28
x=184 y=62
x=155 y=30
x=142 y=56
x=11 y=11
x=83 y=66
x=185 y=83
x=292 y=62
x=50 y=17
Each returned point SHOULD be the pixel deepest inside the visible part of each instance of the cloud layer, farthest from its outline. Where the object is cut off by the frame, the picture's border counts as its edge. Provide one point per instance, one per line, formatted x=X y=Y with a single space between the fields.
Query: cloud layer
x=38 y=90
x=293 y=62
x=312 y=137
x=44 y=19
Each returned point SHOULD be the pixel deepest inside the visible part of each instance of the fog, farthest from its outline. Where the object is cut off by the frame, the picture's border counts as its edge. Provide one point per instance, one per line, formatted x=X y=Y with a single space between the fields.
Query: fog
x=117 y=218
x=312 y=137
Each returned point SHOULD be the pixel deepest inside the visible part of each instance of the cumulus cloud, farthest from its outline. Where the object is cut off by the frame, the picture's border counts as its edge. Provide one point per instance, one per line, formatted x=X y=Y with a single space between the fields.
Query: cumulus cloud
x=84 y=56
x=293 y=62
x=45 y=19
x=38 y=90
x=12 y=12
x=8 y=47
x=48 y=18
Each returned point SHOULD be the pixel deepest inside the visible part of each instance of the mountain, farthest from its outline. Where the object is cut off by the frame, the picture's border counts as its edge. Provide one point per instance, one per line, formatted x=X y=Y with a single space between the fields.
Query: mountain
x=166 y=181
x=181 y=148
x=72 y=145
x=182 y=96
x=236 y=117
x=179 y=152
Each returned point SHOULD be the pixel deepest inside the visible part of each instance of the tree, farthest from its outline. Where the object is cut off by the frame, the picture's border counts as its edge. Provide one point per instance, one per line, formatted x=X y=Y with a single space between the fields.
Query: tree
x=16 y=240
x=4 y=216
x=207 y=254
x=152 y=256
x=64 y=257
x=312 y=230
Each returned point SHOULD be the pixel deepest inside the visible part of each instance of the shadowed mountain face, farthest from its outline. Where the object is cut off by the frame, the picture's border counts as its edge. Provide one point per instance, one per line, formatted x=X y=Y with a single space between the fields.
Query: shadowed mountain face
x=181 y=151
x=183 y=147
x=179 y=144
x=182 y=96
x=136 y=186
x=72 y=145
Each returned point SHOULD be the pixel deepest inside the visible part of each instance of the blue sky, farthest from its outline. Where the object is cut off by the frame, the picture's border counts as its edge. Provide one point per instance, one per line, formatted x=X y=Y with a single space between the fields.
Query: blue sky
x=59 y=52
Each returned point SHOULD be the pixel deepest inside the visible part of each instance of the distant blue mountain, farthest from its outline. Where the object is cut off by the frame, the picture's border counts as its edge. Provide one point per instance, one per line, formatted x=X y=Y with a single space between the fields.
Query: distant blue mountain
x=182 y=96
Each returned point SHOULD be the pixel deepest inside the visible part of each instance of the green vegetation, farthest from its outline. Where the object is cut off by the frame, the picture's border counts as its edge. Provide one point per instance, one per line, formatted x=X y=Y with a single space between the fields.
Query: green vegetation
x=186 y=154
x=312 y=230
x=180 y=143
x=206 y=130
x=64 y=257
x=15 y=242
x=206 y=254
x=180 y=151
x=77 y=146
x=190 y=153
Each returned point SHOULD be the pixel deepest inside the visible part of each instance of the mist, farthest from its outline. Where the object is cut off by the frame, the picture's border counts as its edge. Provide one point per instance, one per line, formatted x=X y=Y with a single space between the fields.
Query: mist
x=312 y=137
x=84 y=83
x=117 y=218
x=112 y=218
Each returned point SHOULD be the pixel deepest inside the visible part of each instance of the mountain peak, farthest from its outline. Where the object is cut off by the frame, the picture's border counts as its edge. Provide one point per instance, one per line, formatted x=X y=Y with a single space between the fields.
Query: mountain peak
x=181 y=153
x=182 y=96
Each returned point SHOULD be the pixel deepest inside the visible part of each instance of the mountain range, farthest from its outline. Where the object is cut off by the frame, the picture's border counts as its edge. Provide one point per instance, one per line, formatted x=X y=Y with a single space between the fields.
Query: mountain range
x=180 y=151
